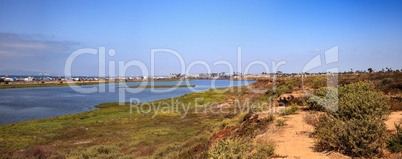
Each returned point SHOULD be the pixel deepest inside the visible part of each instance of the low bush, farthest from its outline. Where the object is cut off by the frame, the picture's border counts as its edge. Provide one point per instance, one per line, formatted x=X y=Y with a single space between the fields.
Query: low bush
x=280 y=122
x=290 y=110
x=281 y=89
x=325 y=98
x=252 y=126
x=241 y=148
x=37 y=151
x=318 y=83
x=312 y=118
x=231 y=148
x=395 y=104
x=385 y=82
x=355 y=137
x=264 y=150
x=357 y=128
x=393 y=89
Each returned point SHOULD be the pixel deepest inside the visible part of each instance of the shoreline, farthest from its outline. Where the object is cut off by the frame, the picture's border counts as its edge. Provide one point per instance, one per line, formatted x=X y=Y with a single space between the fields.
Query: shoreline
x=67 y=128
x=94 y=107
x=12 y=86
x=37 y=85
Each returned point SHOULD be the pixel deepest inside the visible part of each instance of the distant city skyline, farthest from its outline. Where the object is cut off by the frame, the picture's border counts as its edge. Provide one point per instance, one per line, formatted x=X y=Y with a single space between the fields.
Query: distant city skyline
x=39 y=36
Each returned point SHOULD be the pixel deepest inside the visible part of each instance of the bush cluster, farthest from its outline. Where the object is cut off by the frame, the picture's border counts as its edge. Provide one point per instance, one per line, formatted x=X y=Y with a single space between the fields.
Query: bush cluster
x=290 y=110
x=281 y=89
x=241 y=148
x=357 y=128
x=326 y=97
x=385 y=82
x=312 y=118
x=318 y=83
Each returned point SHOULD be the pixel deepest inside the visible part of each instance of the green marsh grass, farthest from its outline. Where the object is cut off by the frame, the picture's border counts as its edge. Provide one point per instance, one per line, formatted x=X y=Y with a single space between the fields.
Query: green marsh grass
x=113 y=132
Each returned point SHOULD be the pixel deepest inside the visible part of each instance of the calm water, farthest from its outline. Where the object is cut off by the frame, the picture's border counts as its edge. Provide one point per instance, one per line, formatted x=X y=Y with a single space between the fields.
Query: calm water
x=36 y=103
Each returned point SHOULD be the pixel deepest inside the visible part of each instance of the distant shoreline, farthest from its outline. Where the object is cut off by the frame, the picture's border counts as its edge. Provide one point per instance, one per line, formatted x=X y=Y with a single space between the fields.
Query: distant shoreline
x=83 y=83
x=159 y=86
x=11 y=86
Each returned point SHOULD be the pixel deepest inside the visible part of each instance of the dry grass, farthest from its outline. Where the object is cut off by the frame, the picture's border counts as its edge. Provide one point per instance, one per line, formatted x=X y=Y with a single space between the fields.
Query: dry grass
x=145 y=150
x=37 y=151
x=312 y=118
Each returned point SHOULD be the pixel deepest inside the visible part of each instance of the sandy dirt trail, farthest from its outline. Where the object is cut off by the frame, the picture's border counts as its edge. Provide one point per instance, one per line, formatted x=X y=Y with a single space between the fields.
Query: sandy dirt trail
x=394 y=117
x=293 y=139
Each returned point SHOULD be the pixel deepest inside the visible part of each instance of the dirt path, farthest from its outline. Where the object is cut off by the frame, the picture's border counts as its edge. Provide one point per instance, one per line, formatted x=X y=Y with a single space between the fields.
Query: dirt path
x=394 y=117
x=293 y=139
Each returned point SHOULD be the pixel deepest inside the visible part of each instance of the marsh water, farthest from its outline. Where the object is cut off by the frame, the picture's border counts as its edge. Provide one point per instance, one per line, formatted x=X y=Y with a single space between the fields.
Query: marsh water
x=22 y=104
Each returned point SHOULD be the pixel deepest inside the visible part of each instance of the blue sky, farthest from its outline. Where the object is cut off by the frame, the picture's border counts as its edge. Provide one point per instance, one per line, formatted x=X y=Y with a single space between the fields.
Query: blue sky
x=39 y=35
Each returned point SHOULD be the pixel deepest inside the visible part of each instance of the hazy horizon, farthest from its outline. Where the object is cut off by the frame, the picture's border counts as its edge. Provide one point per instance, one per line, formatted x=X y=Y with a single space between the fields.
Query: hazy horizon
x=38 y=36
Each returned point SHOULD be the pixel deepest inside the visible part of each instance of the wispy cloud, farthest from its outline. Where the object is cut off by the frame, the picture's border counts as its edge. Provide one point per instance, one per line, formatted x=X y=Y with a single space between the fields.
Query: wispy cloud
x=18 y=44
x=27 y=52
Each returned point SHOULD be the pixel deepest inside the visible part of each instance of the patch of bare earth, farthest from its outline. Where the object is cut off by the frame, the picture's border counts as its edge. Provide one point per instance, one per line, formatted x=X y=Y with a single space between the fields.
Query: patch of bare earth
x=394 y=117
x=293 y=139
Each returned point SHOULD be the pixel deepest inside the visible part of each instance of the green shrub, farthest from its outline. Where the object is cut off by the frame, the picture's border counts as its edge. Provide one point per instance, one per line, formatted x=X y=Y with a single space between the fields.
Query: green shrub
x=241 y=148
x=281 y=89
x=394 y=144
x=290 y=110
x=252 y=126
x=318 y=83
x=231 y=148
x=280 y=122
x=355 y=137
x=385 y=82
x=326 y=97
x=361 y=99
x=264 y=150
x=312 y=118
x=357 y=127
x=395 y=104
